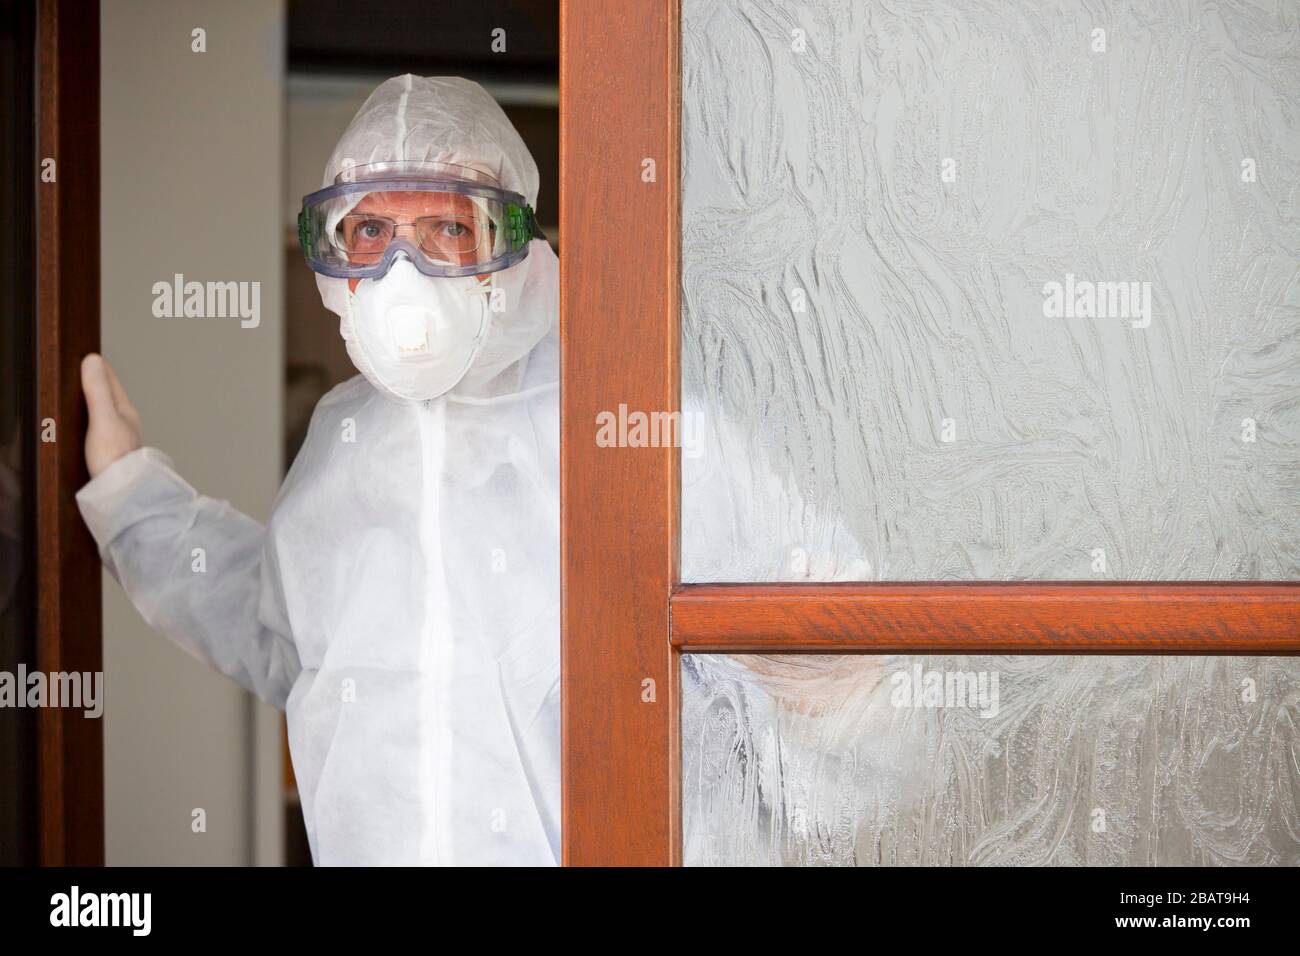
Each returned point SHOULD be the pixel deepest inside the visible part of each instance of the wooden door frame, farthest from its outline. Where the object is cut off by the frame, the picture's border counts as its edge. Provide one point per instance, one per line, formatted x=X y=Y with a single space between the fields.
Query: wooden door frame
x=69 y=613
x=626 y=616
x=619 y=341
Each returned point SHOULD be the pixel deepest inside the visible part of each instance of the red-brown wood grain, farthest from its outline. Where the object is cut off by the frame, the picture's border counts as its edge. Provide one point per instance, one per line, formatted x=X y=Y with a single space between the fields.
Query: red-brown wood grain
x=68 y=614
x=1019 y=618
x=619 y=335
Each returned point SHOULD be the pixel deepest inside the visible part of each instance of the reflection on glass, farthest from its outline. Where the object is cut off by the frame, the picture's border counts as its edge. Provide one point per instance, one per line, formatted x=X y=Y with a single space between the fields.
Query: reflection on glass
x=953 y=761
x=18 y=430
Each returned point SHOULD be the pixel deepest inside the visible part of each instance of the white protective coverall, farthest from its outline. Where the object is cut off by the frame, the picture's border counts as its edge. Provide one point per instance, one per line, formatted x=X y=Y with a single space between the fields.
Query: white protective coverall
x=402 y=605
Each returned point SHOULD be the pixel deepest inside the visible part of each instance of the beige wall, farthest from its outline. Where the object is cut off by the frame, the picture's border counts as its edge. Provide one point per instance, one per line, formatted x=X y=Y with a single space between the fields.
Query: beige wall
x=192 y=182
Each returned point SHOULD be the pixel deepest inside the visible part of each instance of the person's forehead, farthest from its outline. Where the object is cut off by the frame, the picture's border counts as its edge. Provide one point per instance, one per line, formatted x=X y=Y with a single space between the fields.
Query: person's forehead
x=413 y=203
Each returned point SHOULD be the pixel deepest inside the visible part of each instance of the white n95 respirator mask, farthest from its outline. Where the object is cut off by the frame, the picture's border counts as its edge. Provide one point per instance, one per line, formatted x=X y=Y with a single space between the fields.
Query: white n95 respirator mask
x=413 y=336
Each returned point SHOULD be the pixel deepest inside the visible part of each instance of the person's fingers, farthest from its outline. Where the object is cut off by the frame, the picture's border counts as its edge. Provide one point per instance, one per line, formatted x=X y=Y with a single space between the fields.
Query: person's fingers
x=114 y=426
x=96 y=386
x=122 y=401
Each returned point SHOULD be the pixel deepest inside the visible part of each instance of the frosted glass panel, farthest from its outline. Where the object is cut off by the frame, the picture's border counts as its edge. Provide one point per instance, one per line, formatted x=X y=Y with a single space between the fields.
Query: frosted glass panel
x=991 y=290
x=990 y=760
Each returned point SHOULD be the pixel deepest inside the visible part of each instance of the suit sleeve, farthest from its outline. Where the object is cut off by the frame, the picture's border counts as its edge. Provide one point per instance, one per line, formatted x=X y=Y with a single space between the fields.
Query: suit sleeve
x=195 y=568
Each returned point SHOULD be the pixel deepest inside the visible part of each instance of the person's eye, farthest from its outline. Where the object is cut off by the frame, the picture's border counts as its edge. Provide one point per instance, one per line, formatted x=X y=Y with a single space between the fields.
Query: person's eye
x=455 y=229
x=371 y=229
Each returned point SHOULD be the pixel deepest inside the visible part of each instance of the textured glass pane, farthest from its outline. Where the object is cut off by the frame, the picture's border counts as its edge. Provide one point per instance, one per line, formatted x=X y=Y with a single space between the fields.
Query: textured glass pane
x=993 y=760
x=991 y=290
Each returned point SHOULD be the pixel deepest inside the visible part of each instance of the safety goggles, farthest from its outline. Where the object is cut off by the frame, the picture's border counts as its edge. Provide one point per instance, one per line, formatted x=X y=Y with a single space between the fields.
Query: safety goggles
x=449 y=220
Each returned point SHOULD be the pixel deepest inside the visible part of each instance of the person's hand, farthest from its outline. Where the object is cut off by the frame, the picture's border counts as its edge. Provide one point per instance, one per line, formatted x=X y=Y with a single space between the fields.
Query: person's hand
x=114 y=423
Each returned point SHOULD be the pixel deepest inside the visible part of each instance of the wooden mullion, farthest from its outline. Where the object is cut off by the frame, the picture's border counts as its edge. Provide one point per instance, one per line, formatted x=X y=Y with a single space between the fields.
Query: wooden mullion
x=990 y=618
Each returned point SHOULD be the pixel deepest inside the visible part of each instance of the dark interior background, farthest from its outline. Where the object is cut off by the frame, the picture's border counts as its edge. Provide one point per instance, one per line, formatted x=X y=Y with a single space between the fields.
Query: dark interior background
x=337 y=48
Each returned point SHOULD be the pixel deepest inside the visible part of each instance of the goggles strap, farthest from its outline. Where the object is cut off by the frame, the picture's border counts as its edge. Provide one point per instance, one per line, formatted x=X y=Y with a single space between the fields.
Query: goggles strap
x=304 y=231
x=521 y=225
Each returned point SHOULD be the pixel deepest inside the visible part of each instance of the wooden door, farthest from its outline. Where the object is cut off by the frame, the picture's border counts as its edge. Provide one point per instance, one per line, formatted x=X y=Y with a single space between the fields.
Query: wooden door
x=627 y=618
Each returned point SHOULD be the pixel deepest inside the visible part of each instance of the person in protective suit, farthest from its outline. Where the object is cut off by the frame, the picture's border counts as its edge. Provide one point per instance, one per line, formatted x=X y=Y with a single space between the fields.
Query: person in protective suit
x=402 y=604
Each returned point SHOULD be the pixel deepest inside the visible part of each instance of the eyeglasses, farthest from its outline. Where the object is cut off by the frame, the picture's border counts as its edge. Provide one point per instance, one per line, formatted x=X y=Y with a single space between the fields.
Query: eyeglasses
x=366 y=237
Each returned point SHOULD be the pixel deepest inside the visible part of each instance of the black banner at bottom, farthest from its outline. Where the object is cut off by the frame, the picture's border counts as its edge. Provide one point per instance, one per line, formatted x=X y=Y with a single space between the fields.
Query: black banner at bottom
x=499 y=906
